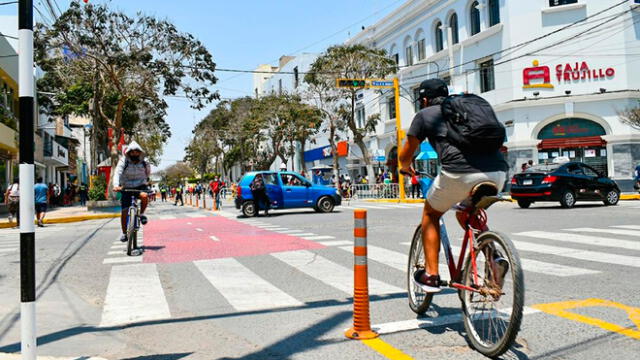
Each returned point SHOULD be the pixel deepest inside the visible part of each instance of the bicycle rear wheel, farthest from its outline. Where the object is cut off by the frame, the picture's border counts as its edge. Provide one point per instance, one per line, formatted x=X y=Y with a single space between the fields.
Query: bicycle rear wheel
x=492 y=316
x=419 y=300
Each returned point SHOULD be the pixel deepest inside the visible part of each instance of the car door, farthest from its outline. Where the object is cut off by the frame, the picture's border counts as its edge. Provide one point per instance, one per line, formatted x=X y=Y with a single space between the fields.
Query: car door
x=274 y=189
x=578 y=180
x=597 y=188
x=295 y=191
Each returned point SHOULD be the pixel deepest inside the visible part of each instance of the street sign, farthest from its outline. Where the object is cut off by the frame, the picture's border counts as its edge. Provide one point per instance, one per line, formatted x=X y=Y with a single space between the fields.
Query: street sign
x=381 y=158
x=380 y=84
x=350 y=83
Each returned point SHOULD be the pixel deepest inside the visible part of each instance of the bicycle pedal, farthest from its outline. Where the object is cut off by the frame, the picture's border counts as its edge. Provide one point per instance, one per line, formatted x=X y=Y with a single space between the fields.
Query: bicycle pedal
x=444 y=283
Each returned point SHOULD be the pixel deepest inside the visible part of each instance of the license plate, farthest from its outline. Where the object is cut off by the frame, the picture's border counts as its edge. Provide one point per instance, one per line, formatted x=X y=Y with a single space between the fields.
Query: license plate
x=527 y=182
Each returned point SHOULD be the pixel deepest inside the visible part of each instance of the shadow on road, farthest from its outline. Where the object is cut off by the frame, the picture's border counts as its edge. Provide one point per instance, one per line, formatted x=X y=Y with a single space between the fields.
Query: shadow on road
x=176 y=356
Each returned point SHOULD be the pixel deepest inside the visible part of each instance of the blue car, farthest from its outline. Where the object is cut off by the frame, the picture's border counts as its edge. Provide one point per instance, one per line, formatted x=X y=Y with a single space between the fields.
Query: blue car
x=286 y=190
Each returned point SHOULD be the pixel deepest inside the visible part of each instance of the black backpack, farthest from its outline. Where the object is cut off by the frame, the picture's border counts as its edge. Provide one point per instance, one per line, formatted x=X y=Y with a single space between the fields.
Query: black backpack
x=471 y=123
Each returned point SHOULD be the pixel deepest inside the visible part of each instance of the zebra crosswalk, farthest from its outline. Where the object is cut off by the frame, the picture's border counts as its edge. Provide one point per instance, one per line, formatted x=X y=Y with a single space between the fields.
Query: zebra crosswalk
x=563 y=254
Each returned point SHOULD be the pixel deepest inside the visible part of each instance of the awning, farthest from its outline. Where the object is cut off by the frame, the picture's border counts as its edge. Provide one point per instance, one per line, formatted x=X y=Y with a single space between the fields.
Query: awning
x=427 y=155
x=580 y=142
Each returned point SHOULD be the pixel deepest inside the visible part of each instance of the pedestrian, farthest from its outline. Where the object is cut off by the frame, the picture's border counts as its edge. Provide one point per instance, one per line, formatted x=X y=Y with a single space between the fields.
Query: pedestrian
x=636 y=184
x=163 y=193
x=259 y=192
x=179 y=191
x=83 y=191
x=415 y=186
x=12 y=200
x=216 y=189
x=41 y=197
x=56 y=194
x=530 y=164
x=524 y=167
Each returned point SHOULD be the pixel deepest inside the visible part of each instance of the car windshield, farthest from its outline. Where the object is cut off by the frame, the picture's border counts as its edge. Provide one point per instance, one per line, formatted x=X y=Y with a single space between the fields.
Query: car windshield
x=542 y=168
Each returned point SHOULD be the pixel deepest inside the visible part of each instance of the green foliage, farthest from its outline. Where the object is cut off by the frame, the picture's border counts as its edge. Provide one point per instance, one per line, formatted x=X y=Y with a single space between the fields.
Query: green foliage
x=176 y=173
x=7 y=118
x=98 y=189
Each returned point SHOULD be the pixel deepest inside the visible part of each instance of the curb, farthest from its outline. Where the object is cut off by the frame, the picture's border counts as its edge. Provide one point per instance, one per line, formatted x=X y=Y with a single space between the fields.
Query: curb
x=17 y=356
x=68 y=219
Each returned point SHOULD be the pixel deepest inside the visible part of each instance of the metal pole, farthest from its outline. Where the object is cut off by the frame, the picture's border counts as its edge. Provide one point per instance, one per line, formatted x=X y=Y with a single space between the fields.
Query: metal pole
x=399 y=135
x=27 y=230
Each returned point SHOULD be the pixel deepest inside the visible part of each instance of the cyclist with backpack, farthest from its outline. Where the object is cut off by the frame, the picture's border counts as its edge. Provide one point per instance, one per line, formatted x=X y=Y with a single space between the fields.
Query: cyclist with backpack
x=467 y=137
x=132 y=172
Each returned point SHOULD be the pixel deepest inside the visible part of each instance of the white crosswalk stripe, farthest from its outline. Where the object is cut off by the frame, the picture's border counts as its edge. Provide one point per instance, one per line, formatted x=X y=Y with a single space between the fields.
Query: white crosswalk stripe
x=149 y=302
x=595 y=256
x=236 y=288
x=607 y=231
x=582 y=239
x=632 y=227
x=332 y=274
x=319 y=237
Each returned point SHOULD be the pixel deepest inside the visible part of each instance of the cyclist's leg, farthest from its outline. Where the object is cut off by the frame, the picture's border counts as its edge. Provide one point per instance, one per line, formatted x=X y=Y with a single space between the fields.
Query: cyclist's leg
x=125 y=202
x=144 y=200
x=431 y=237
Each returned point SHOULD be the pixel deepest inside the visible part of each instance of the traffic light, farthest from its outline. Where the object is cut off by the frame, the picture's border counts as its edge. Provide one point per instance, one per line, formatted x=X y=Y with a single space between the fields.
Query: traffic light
x=350 y=83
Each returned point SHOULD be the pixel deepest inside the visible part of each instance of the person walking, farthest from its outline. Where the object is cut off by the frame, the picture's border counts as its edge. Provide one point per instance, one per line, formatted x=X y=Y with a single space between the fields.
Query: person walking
x=12 y=200
x=41 y=198
x=415 y=186
x=163 y=193
x=216 y=189
x=83 y=192
x=179 y=191
x=259 y=192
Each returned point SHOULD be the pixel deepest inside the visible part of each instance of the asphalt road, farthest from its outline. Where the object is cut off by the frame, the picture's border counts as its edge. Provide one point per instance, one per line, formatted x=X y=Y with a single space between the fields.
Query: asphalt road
x=225 y=287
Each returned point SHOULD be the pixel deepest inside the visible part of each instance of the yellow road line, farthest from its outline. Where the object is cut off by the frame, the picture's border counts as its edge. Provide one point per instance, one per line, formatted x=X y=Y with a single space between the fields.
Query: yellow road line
x=560 y=309
x=386 y=350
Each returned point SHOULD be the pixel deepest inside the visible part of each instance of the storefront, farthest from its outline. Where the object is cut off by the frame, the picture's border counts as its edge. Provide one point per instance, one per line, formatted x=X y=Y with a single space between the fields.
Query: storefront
x=324 y=156
x=576 y=139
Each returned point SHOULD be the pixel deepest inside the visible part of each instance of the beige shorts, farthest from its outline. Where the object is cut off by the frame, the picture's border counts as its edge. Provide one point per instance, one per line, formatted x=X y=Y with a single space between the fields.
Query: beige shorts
x=448 y=188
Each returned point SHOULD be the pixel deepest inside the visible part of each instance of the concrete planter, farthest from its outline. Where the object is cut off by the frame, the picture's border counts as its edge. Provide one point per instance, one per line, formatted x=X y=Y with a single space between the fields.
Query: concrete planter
x=102 y=204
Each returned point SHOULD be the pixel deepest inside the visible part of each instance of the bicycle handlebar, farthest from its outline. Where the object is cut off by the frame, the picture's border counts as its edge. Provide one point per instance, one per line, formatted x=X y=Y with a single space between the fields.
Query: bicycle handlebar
x=134 y=190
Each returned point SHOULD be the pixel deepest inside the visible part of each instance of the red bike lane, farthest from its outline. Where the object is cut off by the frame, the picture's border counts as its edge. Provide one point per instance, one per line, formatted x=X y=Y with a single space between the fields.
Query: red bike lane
x=189 y=239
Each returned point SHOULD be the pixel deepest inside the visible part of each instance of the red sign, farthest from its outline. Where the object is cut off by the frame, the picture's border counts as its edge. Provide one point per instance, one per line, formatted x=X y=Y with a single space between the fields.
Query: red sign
x=581 y=71
x=540 y=76
x=560 y=130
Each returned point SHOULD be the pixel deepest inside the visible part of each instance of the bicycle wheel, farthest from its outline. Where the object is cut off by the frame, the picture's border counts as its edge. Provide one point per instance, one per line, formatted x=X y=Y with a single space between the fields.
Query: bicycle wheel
x=493 y=315
x=131 y=231
x=419 y=300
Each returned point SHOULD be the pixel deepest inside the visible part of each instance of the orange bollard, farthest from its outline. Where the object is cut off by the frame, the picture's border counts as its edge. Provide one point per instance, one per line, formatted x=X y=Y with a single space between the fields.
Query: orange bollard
x=361 y=322
x=197 y=202
x=204 y=201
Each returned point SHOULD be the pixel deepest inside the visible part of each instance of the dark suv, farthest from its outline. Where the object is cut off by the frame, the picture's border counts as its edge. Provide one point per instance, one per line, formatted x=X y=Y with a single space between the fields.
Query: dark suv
x=566 y=183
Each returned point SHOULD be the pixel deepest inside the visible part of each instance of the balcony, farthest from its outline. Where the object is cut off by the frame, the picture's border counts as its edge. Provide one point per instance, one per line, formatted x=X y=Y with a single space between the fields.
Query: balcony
x=54 y=153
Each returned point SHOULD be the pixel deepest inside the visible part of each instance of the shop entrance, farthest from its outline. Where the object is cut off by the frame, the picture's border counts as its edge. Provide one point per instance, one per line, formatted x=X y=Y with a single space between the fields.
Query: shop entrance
x=576 y=139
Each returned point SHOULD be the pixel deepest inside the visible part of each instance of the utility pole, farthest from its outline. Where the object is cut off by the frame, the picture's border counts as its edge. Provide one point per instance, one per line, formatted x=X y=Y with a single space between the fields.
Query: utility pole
x=27 y=229
x=399 y=136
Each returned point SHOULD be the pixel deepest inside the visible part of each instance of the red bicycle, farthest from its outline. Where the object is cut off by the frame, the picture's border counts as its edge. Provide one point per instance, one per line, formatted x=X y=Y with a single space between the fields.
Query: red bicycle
x=491 y=284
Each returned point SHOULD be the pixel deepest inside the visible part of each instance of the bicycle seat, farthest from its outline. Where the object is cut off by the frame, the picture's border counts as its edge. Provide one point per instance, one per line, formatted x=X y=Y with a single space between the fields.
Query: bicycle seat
x=484 y=195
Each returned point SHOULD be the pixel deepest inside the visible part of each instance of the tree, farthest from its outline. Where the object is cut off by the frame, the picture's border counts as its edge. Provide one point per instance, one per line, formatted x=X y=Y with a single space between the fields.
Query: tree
x=174 y=174
x=126 y=61
x=350 y=62
x=631 y=116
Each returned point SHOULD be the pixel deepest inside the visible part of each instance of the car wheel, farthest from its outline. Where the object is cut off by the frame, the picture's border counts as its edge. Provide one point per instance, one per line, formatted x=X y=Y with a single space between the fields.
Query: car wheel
x=524 y=204
x=612 y=198
x=249 y=208
x=325 y=204
x=567 y=199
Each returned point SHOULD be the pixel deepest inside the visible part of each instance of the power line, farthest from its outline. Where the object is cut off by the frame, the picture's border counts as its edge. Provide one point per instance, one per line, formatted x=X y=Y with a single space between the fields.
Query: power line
x=8 y=3
x=9 y=36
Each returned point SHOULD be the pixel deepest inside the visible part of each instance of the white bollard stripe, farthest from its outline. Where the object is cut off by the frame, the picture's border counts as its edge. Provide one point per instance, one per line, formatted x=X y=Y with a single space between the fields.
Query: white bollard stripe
x=27 y=207
x=234 y=281
x=28 y=341
x=134 y=294
x=330 y=273
x=25 y=69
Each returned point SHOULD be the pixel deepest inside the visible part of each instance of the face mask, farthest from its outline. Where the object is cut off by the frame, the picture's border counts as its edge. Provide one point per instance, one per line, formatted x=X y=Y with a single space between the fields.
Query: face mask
x=134 y=158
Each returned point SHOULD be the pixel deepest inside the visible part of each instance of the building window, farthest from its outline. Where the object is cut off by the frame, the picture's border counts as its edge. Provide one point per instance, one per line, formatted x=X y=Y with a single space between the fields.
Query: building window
x=421 y=50
x=395 y=57
x=391 y=105
x=487 y=76
x=561 y=2
x=494 y=12
x=360 y=117
x=416 y=99
x=439 y=40
x=474 y=17
x=453 y=24
x=296 y=78
x=408 y=53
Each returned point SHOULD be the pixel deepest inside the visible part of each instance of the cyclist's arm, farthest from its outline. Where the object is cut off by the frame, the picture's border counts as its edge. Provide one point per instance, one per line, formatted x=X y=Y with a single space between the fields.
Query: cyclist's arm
x=118 y=174
x=406 y=153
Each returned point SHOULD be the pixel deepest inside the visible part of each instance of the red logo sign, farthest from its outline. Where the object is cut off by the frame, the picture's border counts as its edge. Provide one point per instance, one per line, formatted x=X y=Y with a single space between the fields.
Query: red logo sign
x=536 y=73
x=581 y=71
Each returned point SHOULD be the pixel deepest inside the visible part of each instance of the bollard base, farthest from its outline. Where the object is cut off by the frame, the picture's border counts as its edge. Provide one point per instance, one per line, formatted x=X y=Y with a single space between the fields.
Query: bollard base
x=360 y=335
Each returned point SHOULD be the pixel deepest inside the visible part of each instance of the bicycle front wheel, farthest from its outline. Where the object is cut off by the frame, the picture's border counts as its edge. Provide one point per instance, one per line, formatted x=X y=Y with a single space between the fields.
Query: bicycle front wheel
x=131 y=231
x=419 y=300
x=493 y=314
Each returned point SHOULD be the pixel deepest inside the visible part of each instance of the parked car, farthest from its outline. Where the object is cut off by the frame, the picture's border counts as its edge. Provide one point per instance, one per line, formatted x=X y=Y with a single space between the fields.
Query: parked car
x=286 y=190
x=567 y=183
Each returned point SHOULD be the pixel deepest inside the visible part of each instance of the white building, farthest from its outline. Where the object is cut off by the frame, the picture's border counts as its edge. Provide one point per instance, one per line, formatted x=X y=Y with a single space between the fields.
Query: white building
x=556 y=82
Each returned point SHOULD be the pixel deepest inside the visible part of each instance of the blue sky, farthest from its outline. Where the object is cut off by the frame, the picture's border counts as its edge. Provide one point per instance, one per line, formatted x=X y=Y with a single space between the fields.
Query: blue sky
x=244 y=34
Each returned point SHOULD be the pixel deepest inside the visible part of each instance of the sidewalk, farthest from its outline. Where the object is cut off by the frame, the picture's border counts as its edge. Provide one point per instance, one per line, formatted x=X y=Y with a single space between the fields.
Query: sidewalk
x=69 y=214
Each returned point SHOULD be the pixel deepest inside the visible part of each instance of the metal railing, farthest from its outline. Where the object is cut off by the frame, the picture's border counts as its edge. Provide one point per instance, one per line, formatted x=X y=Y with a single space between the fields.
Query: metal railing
x=372 y=191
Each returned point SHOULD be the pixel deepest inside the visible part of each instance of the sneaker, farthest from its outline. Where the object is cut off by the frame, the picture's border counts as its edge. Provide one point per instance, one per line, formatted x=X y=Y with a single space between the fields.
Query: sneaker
x=123 y=238
x=428 y=283
x=10 y=218
x=502 y=267
x=143 y=219
x=40 y=224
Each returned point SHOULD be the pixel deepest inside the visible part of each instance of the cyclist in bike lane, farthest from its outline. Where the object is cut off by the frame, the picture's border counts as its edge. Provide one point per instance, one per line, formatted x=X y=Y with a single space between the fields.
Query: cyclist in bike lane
x=132 y=172
x=462 y=169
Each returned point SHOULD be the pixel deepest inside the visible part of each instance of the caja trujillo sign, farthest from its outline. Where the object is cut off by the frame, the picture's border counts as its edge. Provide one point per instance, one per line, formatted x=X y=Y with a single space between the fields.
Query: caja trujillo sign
x=540 y=76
